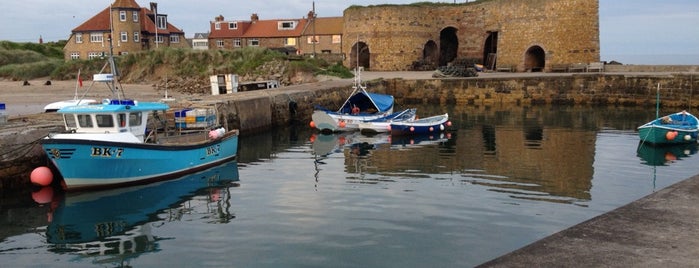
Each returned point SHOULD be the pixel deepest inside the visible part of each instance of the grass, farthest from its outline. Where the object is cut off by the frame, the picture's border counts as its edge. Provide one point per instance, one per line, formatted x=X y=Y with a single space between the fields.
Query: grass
x=24 y=61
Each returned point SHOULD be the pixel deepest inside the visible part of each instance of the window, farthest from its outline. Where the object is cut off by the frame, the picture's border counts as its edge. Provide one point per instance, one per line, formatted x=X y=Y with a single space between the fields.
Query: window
x=124 y=37
x=217 y=26
x=312 y=39
x=70 y=121
x=286 y=25
x=161 y=22
x=237 y=42
x=122 y=15
x=219 y=43
x=291 y=41
x=134 y=119
x=79 y=38
x=96 y=38
x=254 y=42
x=104 y=120
x=158 y=38
x=74 y=55
x=93 y=55
x=84 y=120
x=337 y=39
x=174 y=39
x=232 y=25
x=136 y=37
x=122 y=120
x=135 y=16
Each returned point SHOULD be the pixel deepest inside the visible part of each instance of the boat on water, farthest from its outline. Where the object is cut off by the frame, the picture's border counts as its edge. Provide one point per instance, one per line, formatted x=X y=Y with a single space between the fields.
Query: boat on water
x=77 y=100
x=117 y=221
x=383 y=124
x=680 y=127
x=360 y=106
x=122 y=141
x=427 y=125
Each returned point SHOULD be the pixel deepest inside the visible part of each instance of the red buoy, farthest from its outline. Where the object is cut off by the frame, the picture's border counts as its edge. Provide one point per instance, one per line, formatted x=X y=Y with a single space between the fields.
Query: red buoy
x=41 y=176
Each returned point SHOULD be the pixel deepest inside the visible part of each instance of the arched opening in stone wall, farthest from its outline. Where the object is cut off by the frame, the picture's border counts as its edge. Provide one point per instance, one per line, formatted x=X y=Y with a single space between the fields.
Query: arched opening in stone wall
x=430 y=54
x=360 y=56
x=490 y=51
x=535 y=59
x=448 y=45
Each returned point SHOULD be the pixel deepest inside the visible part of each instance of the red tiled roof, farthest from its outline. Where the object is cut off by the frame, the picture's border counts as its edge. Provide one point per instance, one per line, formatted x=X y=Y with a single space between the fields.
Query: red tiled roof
x=258 y=29
x=126 y=4
x=100 y=22
x=325 y=26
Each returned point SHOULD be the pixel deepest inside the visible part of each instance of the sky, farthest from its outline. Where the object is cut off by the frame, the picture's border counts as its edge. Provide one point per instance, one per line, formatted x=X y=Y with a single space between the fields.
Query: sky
x=631 y=31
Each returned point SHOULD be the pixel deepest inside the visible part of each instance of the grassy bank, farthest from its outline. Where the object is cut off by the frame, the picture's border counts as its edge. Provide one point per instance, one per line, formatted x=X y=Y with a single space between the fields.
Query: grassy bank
x=24 y=61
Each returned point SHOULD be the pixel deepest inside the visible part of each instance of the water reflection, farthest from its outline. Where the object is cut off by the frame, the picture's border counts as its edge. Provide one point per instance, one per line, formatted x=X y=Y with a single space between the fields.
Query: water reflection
x=117 y=223
x=662 y=155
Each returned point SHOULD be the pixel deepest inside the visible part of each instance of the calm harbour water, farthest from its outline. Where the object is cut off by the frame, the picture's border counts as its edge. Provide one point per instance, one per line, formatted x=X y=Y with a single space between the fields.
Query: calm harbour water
x=502 y=179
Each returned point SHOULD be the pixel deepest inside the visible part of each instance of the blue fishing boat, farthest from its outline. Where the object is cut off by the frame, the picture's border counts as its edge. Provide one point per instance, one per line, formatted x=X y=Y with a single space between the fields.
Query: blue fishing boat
x=383 y=124
x=111 y=144
x=360 y=106
x=427 y=125
x=116 y=221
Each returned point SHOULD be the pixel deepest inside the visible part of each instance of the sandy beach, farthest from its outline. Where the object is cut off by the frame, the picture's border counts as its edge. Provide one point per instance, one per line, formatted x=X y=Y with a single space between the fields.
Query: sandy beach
x=23 y=100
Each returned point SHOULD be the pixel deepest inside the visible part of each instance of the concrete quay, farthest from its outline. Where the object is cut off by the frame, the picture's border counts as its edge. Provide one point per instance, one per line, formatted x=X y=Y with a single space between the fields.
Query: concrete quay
x=658 y=230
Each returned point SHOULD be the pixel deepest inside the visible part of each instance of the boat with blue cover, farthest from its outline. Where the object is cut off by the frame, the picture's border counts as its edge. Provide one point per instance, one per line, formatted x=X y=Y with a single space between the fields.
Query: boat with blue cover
x=120 y=142
x=360 y=106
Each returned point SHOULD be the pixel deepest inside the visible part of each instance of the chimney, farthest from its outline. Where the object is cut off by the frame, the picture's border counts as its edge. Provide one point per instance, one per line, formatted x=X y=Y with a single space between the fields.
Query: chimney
x=41 y=40
x=254 y=17
x=219 y=18
x=154 y=7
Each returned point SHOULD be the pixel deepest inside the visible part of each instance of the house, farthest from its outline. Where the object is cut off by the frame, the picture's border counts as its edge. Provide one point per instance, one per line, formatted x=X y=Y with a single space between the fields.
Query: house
x=322 y=35
x=280 y=34
x=132 y=28
x=200 y=41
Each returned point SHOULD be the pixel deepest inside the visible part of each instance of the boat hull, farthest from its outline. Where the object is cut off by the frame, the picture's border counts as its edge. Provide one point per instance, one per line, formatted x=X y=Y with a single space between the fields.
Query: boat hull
x=335 y=122
x=659 y=135
x=89 y=164
x=430 y=125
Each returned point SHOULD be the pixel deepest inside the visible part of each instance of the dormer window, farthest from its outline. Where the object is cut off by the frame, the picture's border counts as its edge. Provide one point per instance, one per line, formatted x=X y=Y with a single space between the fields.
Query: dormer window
x=217 y=26
x=286 y=25
x=161 y=22
x=232 y=25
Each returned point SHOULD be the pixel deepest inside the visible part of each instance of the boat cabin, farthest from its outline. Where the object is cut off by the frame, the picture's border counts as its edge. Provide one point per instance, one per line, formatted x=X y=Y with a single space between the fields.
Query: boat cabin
x=111 y=116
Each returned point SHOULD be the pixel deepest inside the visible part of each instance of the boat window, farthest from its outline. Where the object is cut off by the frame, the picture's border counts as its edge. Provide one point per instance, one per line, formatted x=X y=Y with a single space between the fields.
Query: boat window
x=134 y=119
x=70 y=120
x=104 y=120
x=84 y=120
x=122 y=120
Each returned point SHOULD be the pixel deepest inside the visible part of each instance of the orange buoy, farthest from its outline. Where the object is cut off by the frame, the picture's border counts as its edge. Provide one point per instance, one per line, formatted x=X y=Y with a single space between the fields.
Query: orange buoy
x=670 y=135
x=412 y=129
x=343 y=124
x=448 y=123
x=312 y=124
x=43 y=196
x=431 y=129
x=41 y=176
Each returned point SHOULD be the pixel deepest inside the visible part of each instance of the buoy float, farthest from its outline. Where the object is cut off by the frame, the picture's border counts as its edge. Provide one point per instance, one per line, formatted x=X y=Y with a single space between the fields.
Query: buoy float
x=431 y=129
x=343 y=124
x=441 y=127
x=448 y=123
x=687 y=137
x=412 y=129
x=312 y=124
x=670 y=135
x=388 y=127
x=41 y=176
x=43 y=196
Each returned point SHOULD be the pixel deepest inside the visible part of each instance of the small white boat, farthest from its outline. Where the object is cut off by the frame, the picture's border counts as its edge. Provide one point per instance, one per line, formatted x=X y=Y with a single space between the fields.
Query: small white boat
x=77 y=100
x=427 y=125
x=383 y=124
